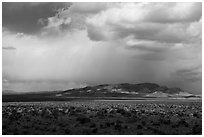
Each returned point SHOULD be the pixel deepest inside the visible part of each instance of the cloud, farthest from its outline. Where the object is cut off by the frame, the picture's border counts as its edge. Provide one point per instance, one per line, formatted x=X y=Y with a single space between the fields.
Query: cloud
x=150 y=31
x=191 y=74
x=8 y=48
x=129 y=13
x=148 y=45
x=27 y=86
x=55 y=21
x=72 y=17
x=96 y=43
x=161 y=22
x=174 y=12
x=47 y=58
x=88 y=7
x=22 y=17
x=112 y=21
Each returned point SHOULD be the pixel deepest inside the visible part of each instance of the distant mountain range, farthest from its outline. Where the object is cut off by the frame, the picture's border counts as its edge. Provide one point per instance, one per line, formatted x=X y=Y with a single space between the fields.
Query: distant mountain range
x=127 y=90
x=124 y=90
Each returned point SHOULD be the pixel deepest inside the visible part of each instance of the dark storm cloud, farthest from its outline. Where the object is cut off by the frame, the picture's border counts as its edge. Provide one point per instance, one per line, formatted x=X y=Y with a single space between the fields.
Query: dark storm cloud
x=23 y=16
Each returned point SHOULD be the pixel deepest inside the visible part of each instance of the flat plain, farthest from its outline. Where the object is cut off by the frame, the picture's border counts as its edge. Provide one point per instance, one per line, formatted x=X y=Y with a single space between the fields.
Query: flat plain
x=103 y=117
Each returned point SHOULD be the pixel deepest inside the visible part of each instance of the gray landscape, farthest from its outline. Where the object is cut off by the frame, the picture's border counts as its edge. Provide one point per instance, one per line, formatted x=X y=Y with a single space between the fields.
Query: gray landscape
x=101 y=68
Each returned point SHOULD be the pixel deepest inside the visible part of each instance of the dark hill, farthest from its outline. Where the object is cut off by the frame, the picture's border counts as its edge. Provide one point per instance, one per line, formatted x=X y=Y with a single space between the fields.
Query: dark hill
x=105 y=91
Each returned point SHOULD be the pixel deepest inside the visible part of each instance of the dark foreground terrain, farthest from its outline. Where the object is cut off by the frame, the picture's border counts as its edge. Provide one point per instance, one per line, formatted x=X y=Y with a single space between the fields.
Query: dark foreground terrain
x=103 y=117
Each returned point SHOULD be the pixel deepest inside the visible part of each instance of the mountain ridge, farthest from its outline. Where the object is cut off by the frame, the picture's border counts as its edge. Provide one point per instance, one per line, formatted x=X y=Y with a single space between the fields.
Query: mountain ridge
x=126 y=89
x=121 y=90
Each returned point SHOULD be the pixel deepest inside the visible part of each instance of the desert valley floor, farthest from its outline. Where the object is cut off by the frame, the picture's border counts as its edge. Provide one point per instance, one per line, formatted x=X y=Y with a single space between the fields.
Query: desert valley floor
x=103 y=117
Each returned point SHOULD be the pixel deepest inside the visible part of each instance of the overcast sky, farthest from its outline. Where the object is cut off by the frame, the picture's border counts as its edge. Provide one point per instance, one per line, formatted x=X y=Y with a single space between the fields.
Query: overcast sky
x=57 y=46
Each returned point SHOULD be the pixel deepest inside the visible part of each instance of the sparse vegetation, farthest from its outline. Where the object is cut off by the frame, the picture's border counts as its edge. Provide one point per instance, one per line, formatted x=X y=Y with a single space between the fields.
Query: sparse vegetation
x=102 y=117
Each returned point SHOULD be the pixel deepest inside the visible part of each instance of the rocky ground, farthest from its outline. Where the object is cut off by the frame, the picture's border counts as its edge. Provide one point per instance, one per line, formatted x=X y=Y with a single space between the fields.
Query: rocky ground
x=102 y=118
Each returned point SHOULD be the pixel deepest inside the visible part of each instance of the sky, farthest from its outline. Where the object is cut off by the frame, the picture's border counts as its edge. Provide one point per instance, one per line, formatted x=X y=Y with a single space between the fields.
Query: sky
x=58 y=46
